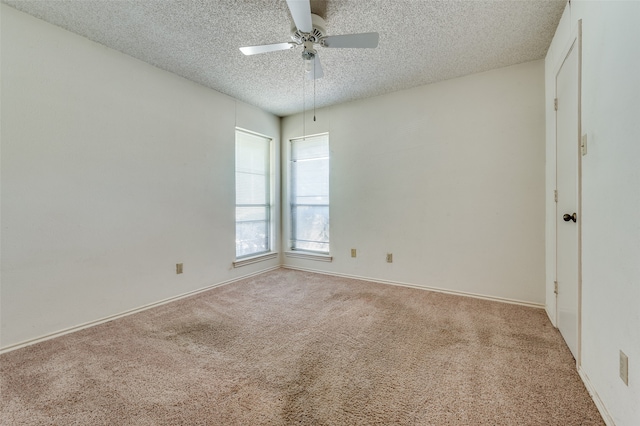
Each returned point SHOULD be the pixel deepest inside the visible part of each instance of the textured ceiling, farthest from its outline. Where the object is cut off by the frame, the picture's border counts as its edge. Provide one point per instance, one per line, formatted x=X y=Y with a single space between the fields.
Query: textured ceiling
x=421 y=42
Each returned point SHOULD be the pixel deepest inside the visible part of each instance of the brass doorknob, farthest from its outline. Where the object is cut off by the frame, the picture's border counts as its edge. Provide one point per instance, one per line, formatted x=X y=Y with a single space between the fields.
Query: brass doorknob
x=567 y=217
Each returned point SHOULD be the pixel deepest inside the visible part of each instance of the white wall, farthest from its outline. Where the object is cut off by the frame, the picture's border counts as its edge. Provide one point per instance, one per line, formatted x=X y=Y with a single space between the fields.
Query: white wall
x=113 y=171
x=610 y=197
x=448 y=177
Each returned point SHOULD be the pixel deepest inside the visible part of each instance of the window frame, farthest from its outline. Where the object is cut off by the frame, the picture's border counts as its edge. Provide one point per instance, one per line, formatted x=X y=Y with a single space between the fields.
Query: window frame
x=294 y=251
x=269 y=205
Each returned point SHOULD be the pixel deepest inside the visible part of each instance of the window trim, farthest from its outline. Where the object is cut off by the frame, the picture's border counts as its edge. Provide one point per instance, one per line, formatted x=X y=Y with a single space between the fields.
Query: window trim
x=309 y=255
x=254 y=259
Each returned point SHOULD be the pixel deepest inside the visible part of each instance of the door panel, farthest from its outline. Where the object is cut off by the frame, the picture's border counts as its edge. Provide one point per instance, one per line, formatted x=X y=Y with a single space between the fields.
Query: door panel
x=567 y=151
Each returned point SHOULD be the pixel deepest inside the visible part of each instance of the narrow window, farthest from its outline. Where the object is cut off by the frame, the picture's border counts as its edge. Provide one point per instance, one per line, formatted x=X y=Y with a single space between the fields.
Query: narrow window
x=253 y=194
x=309 y=194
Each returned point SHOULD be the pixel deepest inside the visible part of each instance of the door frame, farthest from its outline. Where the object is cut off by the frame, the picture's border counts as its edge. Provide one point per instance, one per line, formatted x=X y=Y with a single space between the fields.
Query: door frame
x=575 y=42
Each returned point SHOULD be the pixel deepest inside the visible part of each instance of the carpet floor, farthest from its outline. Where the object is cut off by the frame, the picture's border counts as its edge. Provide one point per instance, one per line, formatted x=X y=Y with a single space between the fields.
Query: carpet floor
x=291 y=347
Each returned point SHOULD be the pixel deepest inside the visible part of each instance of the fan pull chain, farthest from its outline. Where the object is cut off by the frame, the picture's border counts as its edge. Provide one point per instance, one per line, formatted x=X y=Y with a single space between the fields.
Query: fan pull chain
x=314 y=92
x=304 y=107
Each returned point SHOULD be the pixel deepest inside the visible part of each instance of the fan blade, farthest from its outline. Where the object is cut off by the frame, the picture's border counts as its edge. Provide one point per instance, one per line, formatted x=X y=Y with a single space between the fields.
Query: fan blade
x=364 y=40
x=316 y=69
x=301 y=13
x=252 y=50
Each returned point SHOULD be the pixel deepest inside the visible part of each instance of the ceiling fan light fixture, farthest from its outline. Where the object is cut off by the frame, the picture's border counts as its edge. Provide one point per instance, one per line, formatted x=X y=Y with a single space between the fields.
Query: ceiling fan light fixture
x=308 y=53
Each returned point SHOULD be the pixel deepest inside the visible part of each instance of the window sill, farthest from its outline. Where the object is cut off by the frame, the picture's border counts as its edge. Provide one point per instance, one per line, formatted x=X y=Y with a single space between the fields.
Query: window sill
x=254 y=259
x=309 y=256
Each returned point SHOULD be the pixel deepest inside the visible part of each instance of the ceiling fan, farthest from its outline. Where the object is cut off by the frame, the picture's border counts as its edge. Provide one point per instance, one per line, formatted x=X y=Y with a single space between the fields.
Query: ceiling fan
x=309 y=31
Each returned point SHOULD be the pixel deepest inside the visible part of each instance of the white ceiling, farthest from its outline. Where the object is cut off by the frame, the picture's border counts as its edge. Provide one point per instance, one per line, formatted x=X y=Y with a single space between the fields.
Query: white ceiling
x=421 y=42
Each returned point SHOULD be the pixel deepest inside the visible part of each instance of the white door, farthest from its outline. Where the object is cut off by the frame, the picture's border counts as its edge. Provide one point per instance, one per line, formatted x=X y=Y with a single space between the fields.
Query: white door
x=567 y=151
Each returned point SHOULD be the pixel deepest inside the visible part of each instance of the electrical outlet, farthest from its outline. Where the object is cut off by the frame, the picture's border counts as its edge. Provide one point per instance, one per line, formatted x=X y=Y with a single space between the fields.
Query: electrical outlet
x=389 y=257
x=624 y=368
x=353 y=252
x=178 y=268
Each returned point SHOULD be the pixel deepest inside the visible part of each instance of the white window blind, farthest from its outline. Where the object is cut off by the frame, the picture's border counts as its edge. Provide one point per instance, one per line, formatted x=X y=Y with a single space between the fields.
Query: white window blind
x=253 y=194
x=309 y=194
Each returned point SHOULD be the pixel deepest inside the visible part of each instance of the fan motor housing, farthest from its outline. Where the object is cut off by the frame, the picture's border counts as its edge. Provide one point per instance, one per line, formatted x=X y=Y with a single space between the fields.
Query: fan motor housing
x=314 y=36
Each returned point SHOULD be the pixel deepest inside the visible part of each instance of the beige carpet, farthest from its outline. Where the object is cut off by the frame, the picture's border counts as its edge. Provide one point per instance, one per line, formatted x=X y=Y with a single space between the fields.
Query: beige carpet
x=290 y=347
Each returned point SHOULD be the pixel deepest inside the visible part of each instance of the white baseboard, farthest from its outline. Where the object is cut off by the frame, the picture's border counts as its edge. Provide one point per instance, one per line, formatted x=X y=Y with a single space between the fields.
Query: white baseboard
x=552 y=318
x=423 y=287
x=126 y=313
x=596 y=398
x=191 y=293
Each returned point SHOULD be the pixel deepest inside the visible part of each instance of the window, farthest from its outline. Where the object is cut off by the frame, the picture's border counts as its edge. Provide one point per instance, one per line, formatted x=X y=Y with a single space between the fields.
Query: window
x=253 y=194
x=309 y=194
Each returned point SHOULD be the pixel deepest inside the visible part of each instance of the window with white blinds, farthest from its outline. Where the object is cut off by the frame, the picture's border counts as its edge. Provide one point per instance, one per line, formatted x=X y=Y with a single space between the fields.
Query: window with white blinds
x=309 y=193
x=253 y=194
